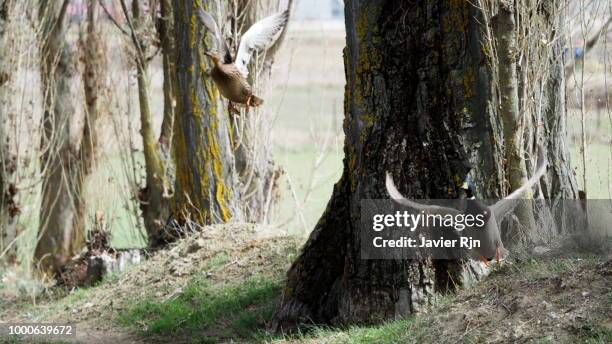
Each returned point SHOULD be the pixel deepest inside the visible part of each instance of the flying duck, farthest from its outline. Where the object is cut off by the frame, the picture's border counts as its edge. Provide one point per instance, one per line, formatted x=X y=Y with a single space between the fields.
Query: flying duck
x=490 y=235
x=230 y=73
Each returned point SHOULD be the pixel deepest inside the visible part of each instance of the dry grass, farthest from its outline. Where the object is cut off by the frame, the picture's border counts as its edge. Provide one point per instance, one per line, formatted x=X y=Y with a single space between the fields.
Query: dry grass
x=224 y=255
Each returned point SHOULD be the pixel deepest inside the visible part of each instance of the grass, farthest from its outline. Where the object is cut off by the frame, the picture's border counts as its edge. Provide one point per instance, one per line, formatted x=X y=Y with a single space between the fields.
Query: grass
x=409 y=330
x=208 y=312
x=592 y=334
x=17 y=340
x=533 y=269
x=412 y=329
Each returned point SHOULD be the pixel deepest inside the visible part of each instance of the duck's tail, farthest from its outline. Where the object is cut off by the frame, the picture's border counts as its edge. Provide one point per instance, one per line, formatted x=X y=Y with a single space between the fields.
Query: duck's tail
x=254 y=100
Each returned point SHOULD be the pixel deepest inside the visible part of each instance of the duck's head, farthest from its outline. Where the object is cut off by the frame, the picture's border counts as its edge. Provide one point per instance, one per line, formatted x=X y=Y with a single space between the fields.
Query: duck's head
x=214 y=56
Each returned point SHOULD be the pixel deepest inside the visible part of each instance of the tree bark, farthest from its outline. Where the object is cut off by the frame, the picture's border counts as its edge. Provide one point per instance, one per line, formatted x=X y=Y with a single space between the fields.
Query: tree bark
x=560 y=182
x=411 y=108
x=94 y=74
x=542 y=109
x=421 y=102
x=58 y=238
x=154 y=197
x=202 y=144
x=8 y=207
x=513 y=120
x=160 y=233
x=165 y=32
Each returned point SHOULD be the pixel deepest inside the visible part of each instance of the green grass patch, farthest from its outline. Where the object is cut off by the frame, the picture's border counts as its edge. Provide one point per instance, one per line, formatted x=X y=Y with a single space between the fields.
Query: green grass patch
x=217 y=312
x=18 y=340
x=533 y=269
x=592 y=334
x=313 y=182
x=413 y=329
x=217 y=260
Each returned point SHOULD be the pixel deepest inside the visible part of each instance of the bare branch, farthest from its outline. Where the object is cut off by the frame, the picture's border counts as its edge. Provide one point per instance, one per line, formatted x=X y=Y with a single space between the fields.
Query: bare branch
x=141 y=57
x=112 y=19
x=593 y=41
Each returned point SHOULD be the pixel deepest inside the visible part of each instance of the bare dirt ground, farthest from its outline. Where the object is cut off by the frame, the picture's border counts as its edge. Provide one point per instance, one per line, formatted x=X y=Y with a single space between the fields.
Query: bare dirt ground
x=548 y=300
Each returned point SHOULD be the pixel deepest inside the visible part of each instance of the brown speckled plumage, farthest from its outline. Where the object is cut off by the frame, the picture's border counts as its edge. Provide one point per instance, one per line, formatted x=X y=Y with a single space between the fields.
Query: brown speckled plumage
x=230 y=73
x=231 y=83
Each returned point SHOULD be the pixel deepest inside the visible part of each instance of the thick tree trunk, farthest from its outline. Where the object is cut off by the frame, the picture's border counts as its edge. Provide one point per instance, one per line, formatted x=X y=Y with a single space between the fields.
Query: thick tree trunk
x=58 y=238
x=421 y=102
x=202 y=144
x=412 y=107
x=8 y=207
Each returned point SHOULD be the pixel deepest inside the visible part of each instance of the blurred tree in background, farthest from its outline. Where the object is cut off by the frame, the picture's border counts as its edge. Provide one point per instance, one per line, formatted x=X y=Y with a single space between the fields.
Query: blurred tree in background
x=59 y=237
x=8 y=207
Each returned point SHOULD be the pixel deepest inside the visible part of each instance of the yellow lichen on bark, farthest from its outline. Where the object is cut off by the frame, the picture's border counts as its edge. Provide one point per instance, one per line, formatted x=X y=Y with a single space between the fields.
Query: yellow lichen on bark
x=203 y=190
x=368 y=62
x=457 y=18
x=220 y=188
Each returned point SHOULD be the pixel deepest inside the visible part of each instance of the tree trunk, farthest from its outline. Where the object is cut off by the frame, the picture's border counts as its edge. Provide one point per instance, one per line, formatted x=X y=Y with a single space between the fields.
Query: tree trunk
x=511 y=117
x=154 y=201
x=410 y=108
x=561 y=182
x=94 y=75
x=8 y=208
x=166 y=37
x=58 y=239
x=420 y=102
x=165 y=32
x=202 y=144
x=536 y=38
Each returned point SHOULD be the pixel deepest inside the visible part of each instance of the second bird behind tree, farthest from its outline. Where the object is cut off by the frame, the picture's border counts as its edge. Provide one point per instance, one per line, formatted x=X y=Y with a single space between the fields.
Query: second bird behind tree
x=230 y=73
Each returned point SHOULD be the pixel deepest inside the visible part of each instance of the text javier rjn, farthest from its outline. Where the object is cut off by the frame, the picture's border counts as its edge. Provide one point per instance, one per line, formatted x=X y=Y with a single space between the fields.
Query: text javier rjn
x=411 y=222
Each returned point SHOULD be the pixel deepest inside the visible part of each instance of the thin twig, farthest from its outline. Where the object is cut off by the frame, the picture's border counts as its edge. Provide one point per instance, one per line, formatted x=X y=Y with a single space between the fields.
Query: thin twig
x=112 y=19
x=141 y=58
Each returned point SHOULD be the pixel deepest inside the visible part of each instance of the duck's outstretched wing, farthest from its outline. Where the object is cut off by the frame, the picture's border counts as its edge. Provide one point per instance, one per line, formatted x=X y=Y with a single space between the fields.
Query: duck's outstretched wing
x=508 y=203
x=427 y=208
x=260 y=36
x=209 y=22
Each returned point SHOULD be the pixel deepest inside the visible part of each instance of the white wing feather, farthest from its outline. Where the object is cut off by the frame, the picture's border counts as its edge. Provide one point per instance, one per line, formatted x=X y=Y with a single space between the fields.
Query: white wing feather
x=399 y=198
x=210 y=24
x=507 y=204
x=260 y=36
